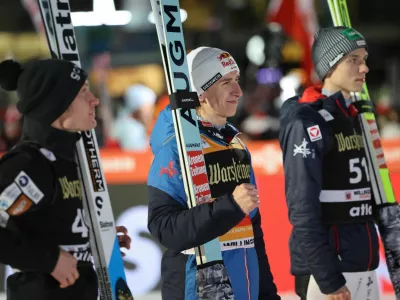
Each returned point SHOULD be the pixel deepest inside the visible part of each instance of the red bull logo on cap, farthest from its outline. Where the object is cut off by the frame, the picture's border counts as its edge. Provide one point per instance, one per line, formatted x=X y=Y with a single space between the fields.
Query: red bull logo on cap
x=226 y=59
x=223 y=55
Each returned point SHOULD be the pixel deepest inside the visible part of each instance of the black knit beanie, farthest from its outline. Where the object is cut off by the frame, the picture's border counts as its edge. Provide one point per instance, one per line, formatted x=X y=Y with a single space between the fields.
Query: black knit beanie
x=45 y=88
x=332 y=44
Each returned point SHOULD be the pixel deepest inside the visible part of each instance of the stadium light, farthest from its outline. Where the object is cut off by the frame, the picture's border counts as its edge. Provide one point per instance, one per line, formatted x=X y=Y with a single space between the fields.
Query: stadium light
x=103 y=13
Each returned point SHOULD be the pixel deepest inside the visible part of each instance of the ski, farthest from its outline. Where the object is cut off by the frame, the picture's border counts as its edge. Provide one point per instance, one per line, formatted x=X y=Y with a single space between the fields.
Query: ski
x=388 y=213
x=211 y=276
x=60 y=34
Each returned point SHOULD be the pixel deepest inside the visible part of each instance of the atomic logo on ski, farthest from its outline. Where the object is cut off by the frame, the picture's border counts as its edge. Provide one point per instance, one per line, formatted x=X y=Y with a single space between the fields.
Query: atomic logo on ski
x=170 y=170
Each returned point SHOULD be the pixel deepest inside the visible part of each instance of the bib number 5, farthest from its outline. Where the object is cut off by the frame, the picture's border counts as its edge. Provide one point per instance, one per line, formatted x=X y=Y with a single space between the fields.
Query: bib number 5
x=356 y=170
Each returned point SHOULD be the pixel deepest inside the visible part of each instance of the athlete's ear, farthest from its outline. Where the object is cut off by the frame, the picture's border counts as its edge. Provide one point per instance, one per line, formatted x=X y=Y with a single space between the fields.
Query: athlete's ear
x=202 y=97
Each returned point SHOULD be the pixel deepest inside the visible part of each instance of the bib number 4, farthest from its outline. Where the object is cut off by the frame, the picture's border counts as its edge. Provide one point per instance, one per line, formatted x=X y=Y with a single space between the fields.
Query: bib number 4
x=79 y=225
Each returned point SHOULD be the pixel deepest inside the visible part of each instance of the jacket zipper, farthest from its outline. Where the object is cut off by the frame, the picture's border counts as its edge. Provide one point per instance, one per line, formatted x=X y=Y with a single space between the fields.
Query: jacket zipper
x=369 y=247
x=247 y=273
x=336 y=240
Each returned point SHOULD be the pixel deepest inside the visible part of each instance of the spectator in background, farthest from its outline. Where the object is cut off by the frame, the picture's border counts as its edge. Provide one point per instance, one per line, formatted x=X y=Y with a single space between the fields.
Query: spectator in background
x=12 y=129
x=132 y=126
x=161 y=104
x=258 y=118
x=390 y=125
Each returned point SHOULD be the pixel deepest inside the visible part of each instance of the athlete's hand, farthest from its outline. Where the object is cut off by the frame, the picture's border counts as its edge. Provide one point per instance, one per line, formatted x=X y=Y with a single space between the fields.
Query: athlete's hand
x=66 y=271
x=124 y=239
x=342 y=294
x=246 y=196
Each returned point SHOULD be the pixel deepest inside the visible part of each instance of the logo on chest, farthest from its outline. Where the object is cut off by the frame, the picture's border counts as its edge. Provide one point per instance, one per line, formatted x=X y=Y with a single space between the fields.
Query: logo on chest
x=349 y=142
x=364 y=209
x=225 y=173
x=70 y=188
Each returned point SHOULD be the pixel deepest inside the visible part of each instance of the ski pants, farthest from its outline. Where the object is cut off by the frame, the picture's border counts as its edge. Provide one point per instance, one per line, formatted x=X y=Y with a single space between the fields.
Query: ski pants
x=362 y=286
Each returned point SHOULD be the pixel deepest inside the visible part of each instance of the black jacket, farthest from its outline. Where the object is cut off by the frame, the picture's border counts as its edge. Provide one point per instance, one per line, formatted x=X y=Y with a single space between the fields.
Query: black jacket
x=41 y=212
x=316 y=248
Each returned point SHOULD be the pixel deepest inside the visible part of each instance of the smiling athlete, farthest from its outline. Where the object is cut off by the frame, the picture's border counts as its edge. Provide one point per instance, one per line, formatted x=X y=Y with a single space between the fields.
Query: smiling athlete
x=233 y=215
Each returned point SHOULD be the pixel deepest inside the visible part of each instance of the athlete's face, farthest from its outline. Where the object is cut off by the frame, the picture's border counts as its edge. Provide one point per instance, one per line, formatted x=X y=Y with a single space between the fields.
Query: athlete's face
x=349 y=75
x=80 y=115
x=220 y=101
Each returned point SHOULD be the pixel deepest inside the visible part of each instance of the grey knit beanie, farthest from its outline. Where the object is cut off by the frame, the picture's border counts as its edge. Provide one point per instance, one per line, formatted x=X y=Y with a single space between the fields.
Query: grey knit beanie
x=332 y=44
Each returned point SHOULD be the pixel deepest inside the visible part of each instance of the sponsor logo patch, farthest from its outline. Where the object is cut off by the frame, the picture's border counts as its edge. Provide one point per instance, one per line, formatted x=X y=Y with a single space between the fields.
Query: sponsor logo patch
x=205 y=144
x=335 y=60
x=9 y=195
x=170 y=170
x=70 y=188
x=361 y=43
x=314 y=133
x=326 y=115
x=75 y=74
x=349 y=142
x=234 y=172
x=226 y=60
x=48 y=154
x=28 y=187
x=20 y=206
x=223 y=55
x=213 y=80
x=3 y=218
x=352 y=34
x=106 y=224
x=93 y=161
x=303 y=150
x=362 y=210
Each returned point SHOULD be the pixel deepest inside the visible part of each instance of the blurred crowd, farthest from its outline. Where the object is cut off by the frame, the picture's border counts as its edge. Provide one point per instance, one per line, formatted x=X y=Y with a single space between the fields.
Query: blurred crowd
x=126 y=122
x=270 y=40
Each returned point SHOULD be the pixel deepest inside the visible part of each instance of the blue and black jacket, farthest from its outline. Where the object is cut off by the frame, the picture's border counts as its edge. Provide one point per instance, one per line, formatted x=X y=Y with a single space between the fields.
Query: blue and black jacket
x=179 y=229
